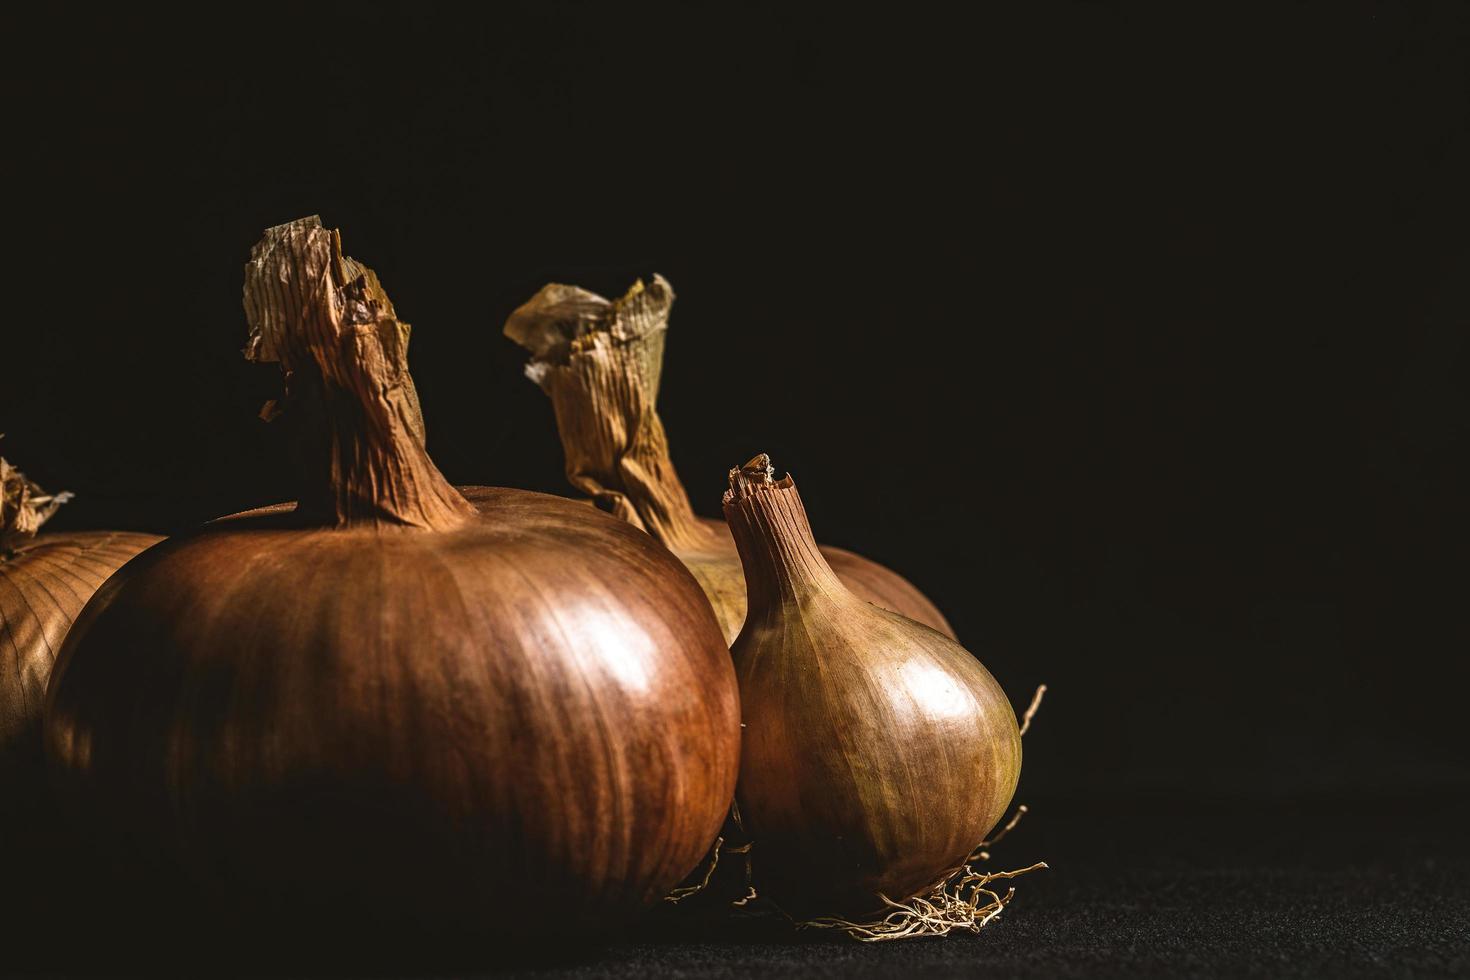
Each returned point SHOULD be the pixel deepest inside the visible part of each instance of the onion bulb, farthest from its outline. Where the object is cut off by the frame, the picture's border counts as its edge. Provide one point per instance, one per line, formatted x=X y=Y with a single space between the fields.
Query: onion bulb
x=600 y=363
x=44 y=582
x=394 y=702
x=877 y=752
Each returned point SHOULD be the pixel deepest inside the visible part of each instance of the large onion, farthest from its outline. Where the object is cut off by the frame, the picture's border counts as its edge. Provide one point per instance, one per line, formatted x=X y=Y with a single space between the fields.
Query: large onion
x=877 y=752
x=600 y=363
x=395 y=702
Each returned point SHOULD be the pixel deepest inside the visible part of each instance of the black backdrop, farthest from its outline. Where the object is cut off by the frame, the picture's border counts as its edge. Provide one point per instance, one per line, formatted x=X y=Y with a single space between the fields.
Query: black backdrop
x=1136 y=339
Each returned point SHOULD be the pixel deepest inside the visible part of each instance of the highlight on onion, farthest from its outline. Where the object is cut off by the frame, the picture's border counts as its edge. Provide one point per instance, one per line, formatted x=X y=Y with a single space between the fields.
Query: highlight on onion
x=600 y=362
x=44 y=582
x=394 y=704
x=877 y=753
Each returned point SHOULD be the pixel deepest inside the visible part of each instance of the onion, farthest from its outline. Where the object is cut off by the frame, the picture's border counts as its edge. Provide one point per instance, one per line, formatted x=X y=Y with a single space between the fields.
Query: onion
x=600 y=363
x=44 y=582
x=394 y=702
x=877 y=752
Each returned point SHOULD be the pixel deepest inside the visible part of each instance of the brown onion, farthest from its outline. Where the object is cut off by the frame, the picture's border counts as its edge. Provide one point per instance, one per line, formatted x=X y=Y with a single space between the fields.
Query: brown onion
x=44 y=582
x=395 y=702
x=600 y=363
x=877 y=752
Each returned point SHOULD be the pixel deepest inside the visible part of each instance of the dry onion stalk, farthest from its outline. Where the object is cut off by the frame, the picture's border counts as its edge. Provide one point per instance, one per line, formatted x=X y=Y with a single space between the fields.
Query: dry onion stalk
x=875 y=750
x=394 y=702
x=600 y=362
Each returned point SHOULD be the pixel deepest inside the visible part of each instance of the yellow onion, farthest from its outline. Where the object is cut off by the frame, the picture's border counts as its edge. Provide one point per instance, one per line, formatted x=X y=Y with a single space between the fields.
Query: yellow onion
x=394 y=704
x=877 y=752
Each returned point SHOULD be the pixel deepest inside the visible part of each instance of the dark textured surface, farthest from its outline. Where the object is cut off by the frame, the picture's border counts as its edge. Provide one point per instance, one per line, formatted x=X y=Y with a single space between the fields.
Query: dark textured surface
x=1331 y=888
x=1334 y=887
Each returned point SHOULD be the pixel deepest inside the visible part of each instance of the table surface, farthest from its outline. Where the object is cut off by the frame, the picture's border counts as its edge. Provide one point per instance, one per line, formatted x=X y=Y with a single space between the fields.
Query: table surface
x=1162 y=886
x=1170 y=888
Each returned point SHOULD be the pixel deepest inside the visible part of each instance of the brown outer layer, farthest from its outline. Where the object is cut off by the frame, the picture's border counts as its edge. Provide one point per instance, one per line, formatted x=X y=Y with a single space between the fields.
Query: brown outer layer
x=876 y=753
x=530 y=720
x=43 y=587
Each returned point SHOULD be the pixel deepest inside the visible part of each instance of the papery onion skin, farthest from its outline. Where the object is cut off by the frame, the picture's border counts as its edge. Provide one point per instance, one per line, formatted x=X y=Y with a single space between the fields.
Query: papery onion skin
x=43 y=587
x=397 y=704
x=877 y=752
x=600 y=363
x=415 y=722
x=44 y=582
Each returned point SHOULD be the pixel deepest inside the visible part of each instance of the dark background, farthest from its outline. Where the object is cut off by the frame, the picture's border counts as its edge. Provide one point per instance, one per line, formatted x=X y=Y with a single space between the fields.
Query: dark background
x=1135 y=338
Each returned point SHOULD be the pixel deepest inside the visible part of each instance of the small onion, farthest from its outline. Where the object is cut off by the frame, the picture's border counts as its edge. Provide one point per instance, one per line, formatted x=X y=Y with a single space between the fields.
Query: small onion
x=395 y=703
x=44 y=582
x=877 y=752
x=600 y=363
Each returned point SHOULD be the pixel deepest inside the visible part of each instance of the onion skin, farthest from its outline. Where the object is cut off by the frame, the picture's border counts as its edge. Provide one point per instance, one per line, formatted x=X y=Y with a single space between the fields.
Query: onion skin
x=877 y=752
x=44 y=582
x=355 y=719
x=43 y=587
x=600 y=363
x=396 y=703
